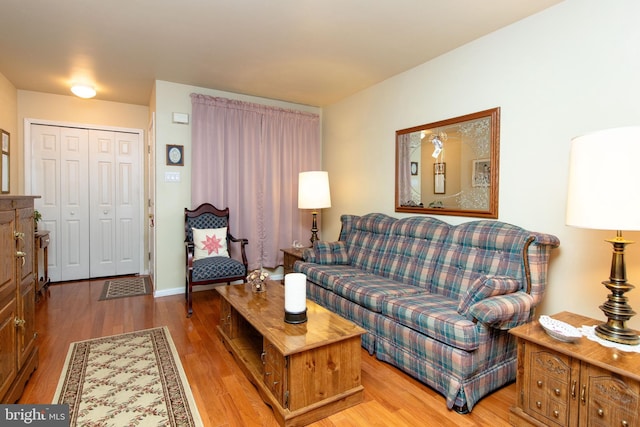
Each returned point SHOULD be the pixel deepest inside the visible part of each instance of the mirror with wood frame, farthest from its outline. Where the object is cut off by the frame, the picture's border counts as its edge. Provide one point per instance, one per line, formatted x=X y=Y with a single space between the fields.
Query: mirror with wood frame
x=450 y=167
x=4 y=162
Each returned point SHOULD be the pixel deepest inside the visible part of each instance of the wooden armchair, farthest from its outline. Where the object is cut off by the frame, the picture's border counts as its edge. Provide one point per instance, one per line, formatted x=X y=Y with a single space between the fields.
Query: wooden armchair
x=208 y=254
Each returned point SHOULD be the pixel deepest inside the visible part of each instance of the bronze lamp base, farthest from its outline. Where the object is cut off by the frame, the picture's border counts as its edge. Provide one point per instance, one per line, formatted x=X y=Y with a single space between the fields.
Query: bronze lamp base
x=617 y=308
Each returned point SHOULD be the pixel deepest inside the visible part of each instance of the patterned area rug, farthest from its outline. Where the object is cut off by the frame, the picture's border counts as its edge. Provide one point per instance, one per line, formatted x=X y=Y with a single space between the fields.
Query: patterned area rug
x=124 y=380
x=125 y=287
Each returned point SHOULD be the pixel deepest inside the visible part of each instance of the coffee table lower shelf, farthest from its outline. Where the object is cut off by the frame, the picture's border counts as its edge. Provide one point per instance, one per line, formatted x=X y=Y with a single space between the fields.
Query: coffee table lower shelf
x=250 y=363
x=301 y=378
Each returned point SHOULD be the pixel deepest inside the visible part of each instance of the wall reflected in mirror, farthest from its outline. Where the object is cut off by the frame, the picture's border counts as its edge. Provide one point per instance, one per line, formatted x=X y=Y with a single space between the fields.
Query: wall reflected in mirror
x=450 y=167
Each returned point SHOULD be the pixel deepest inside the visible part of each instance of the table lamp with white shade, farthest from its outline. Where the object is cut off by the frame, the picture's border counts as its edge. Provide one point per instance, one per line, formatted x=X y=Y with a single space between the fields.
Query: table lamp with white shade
x=313 y=193
x=604 y=174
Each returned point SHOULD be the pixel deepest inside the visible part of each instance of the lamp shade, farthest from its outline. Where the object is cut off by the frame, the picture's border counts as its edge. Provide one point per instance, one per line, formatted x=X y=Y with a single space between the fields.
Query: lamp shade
x=313 y=190
x=604 y=174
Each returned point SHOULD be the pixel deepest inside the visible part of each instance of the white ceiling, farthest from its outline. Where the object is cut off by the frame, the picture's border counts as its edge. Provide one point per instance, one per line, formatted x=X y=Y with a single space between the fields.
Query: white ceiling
x=312 y=52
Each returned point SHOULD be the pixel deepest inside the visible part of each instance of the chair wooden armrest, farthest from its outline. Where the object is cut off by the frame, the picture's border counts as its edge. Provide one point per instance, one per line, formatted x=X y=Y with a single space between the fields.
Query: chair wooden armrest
x=243 y=243
x=189 y=251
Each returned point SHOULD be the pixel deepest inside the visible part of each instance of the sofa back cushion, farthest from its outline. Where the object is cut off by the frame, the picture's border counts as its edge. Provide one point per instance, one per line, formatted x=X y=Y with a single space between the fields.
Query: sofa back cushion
x=480 y=248
x=366 y=238
x=404 y=250
x=412 y=249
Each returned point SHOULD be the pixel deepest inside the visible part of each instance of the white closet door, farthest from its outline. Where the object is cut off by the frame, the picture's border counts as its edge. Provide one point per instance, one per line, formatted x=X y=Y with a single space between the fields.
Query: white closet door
x=114 y=203
x=59 y=169
x=128 y=203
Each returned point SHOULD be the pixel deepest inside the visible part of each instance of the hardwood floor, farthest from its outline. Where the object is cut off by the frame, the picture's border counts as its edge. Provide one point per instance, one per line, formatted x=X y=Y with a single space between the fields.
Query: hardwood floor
x=71 y=312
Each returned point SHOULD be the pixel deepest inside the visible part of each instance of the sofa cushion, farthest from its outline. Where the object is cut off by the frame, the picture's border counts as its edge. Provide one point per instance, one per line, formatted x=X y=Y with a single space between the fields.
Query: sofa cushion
x=326 y=275
x=485 y=287
x=412 y=250
x=490 y=248
x=366 y=241
x=331 y=253
x=371 y=290
x=435 y=316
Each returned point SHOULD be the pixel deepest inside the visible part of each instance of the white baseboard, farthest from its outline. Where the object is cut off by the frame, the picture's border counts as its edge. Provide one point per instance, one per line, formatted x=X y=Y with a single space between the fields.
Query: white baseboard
x=180 y=290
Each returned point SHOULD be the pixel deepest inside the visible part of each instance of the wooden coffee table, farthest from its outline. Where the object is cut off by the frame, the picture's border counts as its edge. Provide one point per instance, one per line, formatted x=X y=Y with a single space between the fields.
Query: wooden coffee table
x=305 y=372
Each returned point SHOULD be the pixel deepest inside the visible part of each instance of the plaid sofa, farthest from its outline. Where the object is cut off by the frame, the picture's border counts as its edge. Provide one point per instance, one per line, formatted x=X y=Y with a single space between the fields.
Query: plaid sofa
x=436 y=300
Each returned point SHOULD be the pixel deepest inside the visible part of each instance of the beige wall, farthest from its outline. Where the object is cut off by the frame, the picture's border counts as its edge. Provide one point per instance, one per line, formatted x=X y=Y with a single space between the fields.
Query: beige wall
x=8 y=123
x=568 y=70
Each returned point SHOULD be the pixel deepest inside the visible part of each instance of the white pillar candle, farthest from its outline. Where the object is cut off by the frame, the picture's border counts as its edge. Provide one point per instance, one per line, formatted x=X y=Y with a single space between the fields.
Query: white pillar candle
x=295 y=292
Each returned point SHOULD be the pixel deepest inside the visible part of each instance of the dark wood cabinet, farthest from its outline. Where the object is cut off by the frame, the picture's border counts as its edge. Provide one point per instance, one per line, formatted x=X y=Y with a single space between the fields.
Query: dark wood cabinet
x=18 y=350
x=291 y=255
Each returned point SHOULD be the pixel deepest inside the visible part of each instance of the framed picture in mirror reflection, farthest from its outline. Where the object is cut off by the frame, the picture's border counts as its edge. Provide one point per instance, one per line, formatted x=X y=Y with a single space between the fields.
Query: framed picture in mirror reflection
x=439 y=170
x=481 y=174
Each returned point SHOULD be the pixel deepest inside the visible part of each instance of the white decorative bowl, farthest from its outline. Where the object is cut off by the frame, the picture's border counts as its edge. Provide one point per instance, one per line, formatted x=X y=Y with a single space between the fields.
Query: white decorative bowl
x=559 y=330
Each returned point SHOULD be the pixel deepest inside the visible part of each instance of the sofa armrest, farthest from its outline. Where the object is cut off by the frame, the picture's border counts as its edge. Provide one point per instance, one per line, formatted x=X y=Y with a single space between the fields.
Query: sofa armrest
x=537 y=264
x=503 y=311
x=309 y=255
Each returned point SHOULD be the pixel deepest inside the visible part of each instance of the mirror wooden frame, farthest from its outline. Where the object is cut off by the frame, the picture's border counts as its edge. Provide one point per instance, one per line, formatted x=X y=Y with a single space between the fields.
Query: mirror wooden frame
x=4 y=162
x=491 y=210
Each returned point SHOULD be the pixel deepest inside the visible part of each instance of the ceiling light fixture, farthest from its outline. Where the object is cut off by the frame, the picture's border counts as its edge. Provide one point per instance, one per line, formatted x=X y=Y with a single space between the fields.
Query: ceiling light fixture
x=83 y=91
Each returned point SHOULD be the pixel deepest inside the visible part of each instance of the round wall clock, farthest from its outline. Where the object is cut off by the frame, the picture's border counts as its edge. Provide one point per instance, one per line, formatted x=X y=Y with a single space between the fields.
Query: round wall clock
x=175 y=155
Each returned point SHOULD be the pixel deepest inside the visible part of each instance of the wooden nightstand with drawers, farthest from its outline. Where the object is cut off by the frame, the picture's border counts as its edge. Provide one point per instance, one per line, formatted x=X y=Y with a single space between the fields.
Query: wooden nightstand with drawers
x=291 y=255
x=574 y=384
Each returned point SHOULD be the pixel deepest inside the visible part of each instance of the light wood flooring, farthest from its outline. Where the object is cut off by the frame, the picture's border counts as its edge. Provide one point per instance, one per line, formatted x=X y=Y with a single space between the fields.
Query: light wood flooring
x=71 y=312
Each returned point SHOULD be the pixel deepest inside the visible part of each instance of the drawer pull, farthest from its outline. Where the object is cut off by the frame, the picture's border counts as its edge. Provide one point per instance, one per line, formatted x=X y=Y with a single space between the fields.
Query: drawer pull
x=600 y=412
x=583 y=394
x=539 y=383
x=573 y=389
x=557 y=391
x=556 y=414
x=624 y=423
x=19 y=235
x=262 y=355
x=539 y=404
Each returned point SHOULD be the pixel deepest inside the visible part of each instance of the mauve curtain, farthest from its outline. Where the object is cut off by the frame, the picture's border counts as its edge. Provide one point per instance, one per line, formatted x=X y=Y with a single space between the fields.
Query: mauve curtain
x=247 y=157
